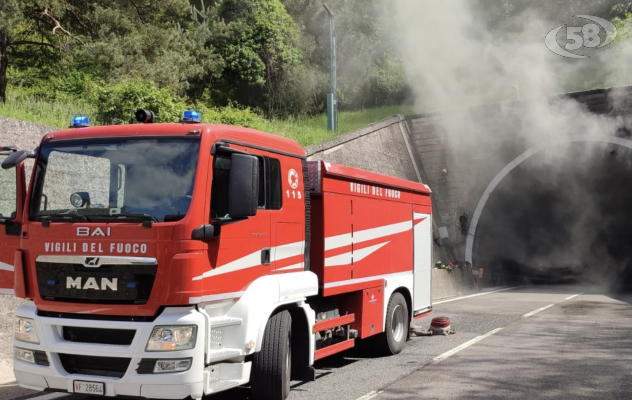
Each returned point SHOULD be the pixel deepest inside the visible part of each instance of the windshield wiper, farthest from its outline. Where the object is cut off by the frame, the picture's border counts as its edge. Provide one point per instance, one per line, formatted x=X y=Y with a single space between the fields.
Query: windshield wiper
x=46 y=219
x=145 y=218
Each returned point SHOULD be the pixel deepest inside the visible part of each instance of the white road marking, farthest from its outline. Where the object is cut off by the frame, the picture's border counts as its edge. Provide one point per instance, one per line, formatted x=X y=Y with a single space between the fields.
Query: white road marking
x=369 y=395
x=465 y=345
x=573 y=296
x=527 y=315
x=474 y=295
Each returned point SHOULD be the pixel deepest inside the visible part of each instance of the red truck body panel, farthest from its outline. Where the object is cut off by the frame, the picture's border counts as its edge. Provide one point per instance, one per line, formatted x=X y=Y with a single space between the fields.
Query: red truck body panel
x=362 y=226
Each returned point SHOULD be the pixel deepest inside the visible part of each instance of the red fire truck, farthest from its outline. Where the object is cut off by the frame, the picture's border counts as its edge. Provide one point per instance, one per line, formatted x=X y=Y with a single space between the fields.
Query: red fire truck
x=179 y=260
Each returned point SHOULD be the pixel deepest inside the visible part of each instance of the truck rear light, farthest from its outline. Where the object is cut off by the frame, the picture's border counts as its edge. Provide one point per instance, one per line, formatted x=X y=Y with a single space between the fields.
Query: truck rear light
x=179 y=365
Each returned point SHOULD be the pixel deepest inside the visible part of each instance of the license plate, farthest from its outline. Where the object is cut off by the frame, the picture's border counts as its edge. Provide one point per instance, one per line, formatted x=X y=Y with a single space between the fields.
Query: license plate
x=89 y=387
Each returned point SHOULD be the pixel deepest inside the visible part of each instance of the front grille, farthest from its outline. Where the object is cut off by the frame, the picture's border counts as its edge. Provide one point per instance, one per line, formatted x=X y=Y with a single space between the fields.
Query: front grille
x=107 y=284
x=95 y=317
x=98 y=366
x=98 y=335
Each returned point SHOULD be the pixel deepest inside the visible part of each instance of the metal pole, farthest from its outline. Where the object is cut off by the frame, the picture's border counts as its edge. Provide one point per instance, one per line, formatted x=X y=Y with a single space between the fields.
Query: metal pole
x=332 y=97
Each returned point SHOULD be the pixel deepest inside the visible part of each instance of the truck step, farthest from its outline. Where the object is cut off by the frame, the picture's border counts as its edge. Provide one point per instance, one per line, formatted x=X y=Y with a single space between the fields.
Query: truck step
x=223 y=322
x=334 y=322
x=222 y=385
x=223 y=354
x=333 y=349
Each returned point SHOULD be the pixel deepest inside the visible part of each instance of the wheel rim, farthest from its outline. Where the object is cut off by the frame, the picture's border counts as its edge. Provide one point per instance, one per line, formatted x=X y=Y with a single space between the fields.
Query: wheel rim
x=397 y=323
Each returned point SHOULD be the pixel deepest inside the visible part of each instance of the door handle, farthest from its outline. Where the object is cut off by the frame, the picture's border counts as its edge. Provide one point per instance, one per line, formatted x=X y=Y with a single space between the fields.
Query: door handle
x=265 y=256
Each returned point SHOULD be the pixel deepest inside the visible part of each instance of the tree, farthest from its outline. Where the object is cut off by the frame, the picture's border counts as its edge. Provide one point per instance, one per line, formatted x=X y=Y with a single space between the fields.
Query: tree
x=260 y=43
x=26 y=23
x=166 y=42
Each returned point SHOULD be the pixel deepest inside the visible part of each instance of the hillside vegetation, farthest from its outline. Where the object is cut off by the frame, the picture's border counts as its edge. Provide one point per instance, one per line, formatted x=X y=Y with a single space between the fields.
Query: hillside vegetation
x=306 y=130
x=257 y=63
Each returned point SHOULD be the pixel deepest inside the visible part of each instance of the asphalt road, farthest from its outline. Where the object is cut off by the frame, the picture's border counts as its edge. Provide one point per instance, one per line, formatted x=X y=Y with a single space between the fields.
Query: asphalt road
x=538 y=342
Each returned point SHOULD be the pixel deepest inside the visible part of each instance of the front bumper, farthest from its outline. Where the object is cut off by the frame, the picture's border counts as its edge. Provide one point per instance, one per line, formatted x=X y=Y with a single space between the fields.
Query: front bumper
x=69 y=361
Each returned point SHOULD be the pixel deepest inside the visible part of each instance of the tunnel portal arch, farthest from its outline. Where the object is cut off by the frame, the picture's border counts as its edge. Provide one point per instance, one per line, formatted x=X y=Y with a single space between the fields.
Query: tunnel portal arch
x=480 y=206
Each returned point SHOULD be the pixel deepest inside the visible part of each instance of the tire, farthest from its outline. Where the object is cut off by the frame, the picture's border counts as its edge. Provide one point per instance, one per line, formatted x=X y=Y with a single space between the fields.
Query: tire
x=393 y=339
x=271 y=367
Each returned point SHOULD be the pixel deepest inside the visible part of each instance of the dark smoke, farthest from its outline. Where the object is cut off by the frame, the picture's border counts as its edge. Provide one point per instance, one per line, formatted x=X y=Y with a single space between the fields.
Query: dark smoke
x=563 y=215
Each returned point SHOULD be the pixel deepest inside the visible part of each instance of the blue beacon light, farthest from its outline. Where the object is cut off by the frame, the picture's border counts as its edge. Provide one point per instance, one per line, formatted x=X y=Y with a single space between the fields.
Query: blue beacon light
x=80 y=121
x=191 y=116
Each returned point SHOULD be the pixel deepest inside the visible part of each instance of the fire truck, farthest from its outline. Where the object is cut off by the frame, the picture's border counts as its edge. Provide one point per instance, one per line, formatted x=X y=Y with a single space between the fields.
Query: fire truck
x=178 y=260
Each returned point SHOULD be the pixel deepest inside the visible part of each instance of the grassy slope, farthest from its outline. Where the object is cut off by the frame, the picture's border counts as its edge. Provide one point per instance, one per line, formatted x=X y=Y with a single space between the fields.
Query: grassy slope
x=313 y=130
x=57 y=114
x=306 y=131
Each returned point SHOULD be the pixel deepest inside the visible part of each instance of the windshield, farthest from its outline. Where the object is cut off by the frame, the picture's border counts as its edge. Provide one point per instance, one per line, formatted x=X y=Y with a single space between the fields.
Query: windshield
x=115 y=179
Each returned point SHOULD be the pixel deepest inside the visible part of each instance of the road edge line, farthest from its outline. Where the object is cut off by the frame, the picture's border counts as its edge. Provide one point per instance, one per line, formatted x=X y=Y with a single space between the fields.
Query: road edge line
x=573 y=296
x=370 y=395
x=529 y=314
x=465 y=345
x=474 y=295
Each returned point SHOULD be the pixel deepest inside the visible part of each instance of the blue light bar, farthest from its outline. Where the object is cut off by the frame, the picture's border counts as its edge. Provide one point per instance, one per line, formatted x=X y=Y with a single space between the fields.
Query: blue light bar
x=191 y=116
x=80 y=121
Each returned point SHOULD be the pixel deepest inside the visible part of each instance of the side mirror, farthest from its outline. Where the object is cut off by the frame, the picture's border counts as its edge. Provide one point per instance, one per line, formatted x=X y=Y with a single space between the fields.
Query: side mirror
x=14 y=159
x=243 y=189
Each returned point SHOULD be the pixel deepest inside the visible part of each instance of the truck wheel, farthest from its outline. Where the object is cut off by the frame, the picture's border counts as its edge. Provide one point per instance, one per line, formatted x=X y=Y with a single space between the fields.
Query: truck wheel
x=271 y=367
x=392 y=341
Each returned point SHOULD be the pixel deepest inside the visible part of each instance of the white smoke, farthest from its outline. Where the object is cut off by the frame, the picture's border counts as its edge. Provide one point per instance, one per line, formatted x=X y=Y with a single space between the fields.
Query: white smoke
x=455 y=60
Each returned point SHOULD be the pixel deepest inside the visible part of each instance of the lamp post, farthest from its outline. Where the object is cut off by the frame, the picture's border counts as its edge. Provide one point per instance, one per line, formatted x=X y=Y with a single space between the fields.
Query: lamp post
x=332 y=96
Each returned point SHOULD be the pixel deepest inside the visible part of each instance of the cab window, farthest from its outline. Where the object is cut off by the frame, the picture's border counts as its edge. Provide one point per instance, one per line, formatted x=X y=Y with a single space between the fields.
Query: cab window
x=270 y=190
x=8 y=193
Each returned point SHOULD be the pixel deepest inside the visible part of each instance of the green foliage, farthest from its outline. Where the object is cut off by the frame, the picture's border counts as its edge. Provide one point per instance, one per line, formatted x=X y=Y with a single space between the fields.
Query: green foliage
x=259 y=44
x=306 y=130
x=117 y=104
x=312 y=130
x=232 y=115
x=389 y=81
x=10 y=15
x=266 y=55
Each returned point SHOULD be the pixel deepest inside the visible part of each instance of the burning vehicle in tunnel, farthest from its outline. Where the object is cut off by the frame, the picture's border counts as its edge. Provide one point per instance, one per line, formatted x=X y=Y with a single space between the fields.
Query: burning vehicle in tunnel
x=544 y=271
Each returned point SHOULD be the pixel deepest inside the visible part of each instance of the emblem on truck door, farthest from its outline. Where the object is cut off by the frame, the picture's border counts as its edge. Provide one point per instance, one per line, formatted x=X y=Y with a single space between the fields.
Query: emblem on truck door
x=292 y=178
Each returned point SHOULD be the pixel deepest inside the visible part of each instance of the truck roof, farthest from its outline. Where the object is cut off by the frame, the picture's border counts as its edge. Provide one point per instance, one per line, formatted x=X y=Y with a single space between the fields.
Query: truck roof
x=234 y=133
x=349 y=173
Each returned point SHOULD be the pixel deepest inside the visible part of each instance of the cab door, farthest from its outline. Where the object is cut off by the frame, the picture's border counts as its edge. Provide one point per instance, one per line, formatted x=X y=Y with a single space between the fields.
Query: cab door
x=12 y=195
x=242 y=251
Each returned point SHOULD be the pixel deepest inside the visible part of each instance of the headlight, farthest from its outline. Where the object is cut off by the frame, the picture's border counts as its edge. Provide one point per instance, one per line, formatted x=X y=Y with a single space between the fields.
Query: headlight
x=172 y=338
x=24 y=355
x=163 y=366
x=25 y=330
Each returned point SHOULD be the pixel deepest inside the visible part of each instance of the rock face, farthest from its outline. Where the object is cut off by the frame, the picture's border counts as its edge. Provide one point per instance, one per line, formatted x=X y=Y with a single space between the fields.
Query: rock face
x=25 y=135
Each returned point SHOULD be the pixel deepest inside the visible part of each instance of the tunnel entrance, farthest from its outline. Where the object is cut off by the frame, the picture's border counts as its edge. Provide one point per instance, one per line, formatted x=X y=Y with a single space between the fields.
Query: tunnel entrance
x=562 y=215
